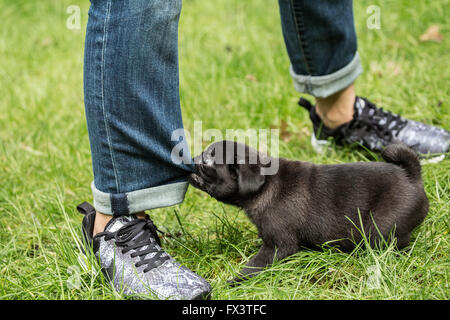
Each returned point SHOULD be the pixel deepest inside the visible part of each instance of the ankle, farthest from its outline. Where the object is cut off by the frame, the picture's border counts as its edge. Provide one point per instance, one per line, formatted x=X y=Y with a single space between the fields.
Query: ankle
x=336 y=109
x=101 y=220
x=335 y=118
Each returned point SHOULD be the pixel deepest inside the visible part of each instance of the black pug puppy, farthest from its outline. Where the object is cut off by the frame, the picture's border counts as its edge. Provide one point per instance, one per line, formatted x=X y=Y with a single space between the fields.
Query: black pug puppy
x=307 y=205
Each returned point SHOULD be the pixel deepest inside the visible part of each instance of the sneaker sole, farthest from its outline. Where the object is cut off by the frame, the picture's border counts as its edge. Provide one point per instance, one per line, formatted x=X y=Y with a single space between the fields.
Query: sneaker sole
x=320 y=146
x=432 y=159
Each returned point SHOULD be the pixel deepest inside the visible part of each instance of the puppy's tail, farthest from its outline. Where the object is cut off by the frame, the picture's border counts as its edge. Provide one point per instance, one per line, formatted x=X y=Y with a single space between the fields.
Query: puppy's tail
x=404 y=157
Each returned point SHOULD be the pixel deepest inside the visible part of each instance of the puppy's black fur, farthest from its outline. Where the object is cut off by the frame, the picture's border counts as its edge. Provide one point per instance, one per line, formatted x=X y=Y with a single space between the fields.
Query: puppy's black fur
x=307 y=205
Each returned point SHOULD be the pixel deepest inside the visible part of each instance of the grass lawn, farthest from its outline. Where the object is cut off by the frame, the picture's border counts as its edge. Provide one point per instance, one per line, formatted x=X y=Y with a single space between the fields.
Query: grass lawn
x=234 y=74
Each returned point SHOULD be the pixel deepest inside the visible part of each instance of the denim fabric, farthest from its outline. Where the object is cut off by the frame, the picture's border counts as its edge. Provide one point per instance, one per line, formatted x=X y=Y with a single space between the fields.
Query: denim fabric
x=321 y=43
x=132 y=94
x=132 y=101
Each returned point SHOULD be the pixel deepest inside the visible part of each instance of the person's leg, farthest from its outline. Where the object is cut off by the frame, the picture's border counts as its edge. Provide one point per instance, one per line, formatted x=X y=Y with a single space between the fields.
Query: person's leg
x=321 y=43
x=132 y=105
x=336 y=109
x=132 y=110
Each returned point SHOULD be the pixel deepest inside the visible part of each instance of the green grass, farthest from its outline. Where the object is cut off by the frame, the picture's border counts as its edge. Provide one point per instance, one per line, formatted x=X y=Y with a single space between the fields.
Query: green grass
x=45 y=168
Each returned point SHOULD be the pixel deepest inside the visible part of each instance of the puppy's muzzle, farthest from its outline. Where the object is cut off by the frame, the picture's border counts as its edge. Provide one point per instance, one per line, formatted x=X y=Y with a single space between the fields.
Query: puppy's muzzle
x=195 y=178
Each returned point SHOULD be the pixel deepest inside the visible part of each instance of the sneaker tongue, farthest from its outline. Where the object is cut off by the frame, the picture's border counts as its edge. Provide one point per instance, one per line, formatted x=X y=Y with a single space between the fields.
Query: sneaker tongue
x=119 y=222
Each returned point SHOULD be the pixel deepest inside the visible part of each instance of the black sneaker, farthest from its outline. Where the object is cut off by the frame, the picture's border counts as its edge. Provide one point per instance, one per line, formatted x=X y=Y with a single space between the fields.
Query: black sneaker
x=375 y=128
x=130 y=255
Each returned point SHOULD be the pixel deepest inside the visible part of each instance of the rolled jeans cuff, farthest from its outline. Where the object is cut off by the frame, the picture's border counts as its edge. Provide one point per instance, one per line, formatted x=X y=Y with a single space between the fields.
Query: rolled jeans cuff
x=118 y=204
x=325 y=86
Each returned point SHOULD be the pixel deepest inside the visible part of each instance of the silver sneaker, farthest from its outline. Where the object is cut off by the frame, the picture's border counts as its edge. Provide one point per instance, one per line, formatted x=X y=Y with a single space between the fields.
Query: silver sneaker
x=130 y=254
x=375 y=128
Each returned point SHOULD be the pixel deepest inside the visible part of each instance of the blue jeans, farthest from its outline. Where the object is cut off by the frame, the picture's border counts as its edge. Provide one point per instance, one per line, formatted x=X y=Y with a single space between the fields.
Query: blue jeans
x=321 y=43
x=132 y=93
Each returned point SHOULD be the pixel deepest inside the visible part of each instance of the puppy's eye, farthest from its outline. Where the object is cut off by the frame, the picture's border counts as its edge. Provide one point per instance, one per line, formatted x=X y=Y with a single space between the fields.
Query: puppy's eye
x=213 y=152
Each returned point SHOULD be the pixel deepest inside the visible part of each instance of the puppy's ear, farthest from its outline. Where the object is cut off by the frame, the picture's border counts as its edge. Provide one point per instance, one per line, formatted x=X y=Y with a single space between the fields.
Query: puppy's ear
x=250 y=179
